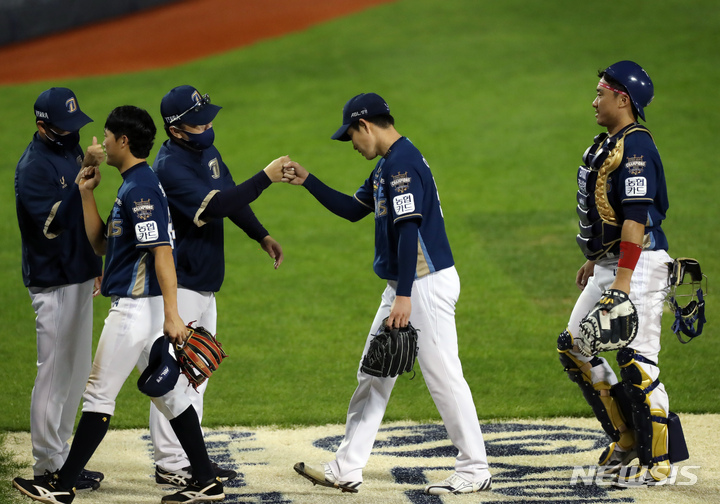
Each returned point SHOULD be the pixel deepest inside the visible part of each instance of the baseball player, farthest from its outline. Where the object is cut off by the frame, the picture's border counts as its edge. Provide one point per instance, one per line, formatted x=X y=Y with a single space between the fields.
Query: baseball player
x=413 y=254
x=140 y=279
x=622 y=201
x=60 y=270
x=201 y=192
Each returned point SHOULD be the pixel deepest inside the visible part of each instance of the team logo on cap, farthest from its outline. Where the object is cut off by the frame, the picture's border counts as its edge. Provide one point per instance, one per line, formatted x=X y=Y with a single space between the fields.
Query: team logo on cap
x=196 y=97
x=71 y=105
x=143 y=209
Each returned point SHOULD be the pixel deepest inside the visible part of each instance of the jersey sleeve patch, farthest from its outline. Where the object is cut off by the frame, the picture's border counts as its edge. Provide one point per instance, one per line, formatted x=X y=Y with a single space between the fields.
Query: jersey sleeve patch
x=635 y=186
x=404 y=204
x=147 y=231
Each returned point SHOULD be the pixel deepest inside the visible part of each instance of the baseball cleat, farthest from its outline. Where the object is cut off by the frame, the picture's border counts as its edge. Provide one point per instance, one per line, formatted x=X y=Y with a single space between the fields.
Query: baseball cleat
x=634 y=476
x=182 y=477
x=178 y=478
x=224 y=474
x=322 y=475
x=612 y=459
x=197 y=492
x=456 y=484
x=45 y=489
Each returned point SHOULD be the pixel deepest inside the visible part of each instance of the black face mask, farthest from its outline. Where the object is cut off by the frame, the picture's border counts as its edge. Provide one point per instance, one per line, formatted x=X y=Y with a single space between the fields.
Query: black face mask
x=68 y=141
x=200 y=141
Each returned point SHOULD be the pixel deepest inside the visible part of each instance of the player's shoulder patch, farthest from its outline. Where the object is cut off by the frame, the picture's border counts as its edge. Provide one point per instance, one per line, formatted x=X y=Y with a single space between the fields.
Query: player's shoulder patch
x=404 y=204
x=147 y=232
x=635 y=186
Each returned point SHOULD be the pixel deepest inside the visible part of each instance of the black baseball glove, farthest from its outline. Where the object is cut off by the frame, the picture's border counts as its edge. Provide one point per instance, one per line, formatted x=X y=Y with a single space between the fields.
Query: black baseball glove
x=199 y=356
x=611 y=325
x=391 y=352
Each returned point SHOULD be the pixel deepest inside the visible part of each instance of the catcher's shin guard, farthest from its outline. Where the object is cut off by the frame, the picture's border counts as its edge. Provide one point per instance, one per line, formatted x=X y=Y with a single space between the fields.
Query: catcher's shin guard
x=651 y=424
x=600 y=396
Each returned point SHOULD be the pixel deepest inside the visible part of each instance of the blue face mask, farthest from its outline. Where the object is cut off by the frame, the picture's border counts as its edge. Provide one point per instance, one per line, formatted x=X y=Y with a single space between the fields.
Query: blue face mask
x=201 y=141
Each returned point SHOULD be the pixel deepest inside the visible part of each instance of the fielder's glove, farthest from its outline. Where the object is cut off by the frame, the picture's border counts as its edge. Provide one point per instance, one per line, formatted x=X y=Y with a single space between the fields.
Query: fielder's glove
x=391 y=352
x=199 y=356
x=611 y=325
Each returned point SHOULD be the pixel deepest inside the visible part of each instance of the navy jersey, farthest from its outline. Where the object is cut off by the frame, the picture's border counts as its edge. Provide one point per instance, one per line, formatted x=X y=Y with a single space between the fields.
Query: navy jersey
x=191 y=179
x=140 y=220
x=55 y=247
x=640 y=180
x=402 y=187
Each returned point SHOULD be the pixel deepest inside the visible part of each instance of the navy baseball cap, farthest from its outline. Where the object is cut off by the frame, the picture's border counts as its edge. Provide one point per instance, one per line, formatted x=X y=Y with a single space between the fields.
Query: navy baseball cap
x=162 y=372
x=59 y=106
x=358 y=107
x=185 y=104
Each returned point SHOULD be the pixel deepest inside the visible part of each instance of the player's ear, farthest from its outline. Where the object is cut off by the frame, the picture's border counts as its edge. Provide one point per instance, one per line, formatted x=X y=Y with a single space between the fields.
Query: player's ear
x=364 y=126
x=175 y=131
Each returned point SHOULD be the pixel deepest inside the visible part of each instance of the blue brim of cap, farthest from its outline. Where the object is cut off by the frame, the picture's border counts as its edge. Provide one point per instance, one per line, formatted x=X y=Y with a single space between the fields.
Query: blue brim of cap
x=162 y=372
x=74 y=122
x=205 y=115
x=341 y=134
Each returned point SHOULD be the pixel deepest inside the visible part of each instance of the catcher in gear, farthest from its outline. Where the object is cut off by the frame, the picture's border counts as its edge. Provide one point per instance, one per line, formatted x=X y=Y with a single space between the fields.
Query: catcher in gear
x=622 y=201
x=392 y=351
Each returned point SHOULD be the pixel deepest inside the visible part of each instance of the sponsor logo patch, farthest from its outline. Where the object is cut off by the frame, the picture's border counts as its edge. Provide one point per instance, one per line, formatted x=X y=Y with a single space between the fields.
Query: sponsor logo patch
x=636 y=186
x=404 y=204
x=147 y=231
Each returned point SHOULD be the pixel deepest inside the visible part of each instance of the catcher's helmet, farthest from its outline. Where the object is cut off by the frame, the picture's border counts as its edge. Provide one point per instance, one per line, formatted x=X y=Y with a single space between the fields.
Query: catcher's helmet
x=636 y=81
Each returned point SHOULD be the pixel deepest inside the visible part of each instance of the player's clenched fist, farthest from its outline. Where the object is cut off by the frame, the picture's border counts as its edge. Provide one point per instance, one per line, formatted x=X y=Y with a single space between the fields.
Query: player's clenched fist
x=94 y=155
x=274 y=170
x=294 y=174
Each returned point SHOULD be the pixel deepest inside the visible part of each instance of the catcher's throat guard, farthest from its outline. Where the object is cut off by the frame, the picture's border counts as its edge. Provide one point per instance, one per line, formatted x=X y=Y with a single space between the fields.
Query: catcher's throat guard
x=392 y=351
x=686 y=297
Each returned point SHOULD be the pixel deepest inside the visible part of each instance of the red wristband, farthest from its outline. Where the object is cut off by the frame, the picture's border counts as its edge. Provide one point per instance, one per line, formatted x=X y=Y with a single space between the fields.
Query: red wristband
x=629 y=255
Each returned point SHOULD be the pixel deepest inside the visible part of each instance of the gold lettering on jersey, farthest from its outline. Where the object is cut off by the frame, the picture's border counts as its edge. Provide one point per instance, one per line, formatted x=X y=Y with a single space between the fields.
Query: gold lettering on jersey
x=114 y=228
x=63 y=184
x=143 y=209
x=214 y=166
x=401 y=182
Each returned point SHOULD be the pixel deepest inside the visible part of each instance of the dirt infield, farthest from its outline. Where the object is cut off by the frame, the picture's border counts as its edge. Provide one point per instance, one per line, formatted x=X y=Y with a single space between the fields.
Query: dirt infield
x=164 y=37
x=533 y=462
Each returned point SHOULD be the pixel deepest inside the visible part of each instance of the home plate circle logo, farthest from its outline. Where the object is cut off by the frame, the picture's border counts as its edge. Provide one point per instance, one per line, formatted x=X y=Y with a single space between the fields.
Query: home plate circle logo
x=547 y=461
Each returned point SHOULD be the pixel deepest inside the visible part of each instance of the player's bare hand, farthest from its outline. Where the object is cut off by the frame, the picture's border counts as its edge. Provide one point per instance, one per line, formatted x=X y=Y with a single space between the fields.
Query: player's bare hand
x=294 y=174
x=400 y=312
x=175 y=329
x=274 y=170
x=586 y=271
x=94 y=155
x=273 y=249
x=88 y=178
x=96 y=286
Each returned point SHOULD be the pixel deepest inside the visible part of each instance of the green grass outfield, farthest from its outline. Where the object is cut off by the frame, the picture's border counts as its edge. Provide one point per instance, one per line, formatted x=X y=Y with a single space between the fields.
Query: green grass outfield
x=497 y=95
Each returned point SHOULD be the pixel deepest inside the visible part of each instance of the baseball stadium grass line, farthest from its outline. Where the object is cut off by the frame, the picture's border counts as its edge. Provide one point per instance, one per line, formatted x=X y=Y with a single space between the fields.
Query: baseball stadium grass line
x=497 y=95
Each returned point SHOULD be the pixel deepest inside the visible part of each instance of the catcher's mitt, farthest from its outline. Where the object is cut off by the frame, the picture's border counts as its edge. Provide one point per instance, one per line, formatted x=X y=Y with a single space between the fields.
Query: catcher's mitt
x=391 y=352
x=611 y=325
x=199 y=356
